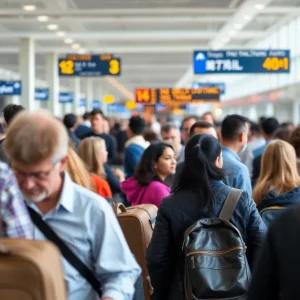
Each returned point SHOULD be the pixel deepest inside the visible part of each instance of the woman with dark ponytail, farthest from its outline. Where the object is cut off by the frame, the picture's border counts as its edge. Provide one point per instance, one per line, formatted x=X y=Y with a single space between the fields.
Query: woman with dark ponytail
x=200 y=193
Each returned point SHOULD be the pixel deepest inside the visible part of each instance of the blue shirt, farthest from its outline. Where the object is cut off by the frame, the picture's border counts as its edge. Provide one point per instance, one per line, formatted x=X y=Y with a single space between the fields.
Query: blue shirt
x=237 y=174
x=87 y=224
x=260 y=151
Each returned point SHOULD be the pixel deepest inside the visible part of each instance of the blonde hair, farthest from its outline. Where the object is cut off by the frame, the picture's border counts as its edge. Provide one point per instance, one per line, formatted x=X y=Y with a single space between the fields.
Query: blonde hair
x=278 y=170
x=77 y=171
x=88 y=151
x=35 y=136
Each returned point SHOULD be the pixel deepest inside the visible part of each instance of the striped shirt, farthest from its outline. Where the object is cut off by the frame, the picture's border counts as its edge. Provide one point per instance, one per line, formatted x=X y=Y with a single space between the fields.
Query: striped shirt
x=15 y=220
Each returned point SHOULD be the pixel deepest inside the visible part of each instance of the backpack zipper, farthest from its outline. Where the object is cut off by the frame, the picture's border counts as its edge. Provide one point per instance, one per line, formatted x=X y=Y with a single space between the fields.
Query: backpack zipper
x=215 y=253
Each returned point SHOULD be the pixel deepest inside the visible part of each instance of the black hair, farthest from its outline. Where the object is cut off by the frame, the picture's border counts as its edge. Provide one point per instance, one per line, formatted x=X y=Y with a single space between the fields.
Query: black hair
x=262 y=119
x=95 y=112
x=254 y=128
x=233 y=126
x=200 y=124
x=286 y=124
x=168 y=127
x=86 y=116
x=199 y=168
x=270 y=126
x=70 y=120
x=145 y=170
x=137 y=125
x=10 y=111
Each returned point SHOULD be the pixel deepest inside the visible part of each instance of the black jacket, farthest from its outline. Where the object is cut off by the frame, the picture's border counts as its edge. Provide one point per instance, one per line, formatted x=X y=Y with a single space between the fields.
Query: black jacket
x=276 y=272
x=179 y=211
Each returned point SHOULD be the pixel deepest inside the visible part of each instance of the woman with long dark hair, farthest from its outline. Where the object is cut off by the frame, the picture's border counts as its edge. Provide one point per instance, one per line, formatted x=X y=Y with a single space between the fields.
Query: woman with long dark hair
x=200 y=193
x=147 y=186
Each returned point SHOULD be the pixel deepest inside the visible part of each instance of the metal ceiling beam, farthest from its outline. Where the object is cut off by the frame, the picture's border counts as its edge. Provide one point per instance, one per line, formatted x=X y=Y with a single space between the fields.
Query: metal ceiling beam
x=117 y=20
x=153 y=35
x=118 y=12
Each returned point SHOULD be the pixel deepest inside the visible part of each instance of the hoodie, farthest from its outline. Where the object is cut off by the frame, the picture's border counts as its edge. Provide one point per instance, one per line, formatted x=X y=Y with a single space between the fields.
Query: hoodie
x=135 y=148
x=285 y=199
x=153 y=193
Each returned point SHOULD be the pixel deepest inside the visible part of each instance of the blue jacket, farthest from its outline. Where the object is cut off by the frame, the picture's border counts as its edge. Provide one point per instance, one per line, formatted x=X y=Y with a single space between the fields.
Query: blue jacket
x=285 y=199
x=178 y=212
x=237 y=174
x=135 y=148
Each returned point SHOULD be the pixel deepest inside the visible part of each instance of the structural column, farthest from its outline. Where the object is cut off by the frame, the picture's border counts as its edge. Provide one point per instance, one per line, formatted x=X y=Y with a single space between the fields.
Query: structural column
x=27 y=72
x=76 y=92
x=53 y=83
x=89 y=93
x=296 y=112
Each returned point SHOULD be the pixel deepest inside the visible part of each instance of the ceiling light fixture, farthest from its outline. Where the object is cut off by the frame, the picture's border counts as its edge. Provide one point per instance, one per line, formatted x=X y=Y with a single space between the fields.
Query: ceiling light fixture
x=29 y=7
x=259 y=6
x=52 y=26
x=43 y=18
x=68 y=41
x=247 y=17
x=60 y=33
x=81 y=51
x=238 y=26
x=75 y=46
x=232 y=33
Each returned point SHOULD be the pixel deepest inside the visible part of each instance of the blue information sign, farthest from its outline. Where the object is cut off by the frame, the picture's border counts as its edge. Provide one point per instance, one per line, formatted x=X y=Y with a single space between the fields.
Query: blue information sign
x=65 y=97
x=10 y=88
x=96 y=104
x=41 y=94
x=82 y=102
x=117 y=108
x=89 y=65
x=200 y=85
x=242 y=61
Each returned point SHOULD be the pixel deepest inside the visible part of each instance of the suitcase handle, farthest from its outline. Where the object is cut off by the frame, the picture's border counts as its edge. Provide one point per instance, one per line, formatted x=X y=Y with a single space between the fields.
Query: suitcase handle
x=119 y=208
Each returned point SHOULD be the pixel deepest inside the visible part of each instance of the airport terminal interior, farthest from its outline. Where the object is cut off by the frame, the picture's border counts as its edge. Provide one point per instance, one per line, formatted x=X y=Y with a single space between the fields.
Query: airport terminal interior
x=149 y=149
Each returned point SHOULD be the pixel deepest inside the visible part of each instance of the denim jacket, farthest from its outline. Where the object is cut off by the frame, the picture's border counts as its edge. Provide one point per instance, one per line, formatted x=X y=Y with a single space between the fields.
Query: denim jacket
x=165 y=258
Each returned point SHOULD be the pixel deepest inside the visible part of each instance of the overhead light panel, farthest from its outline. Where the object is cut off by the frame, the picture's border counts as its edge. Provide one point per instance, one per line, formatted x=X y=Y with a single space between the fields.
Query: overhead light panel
x=68 y=41
x=29 y=7
x=75 y=46
x=238 y=26
x=81 y=51
x=52 y=26
x=60 y=33
x=259 y=6
x=232 y=33
x=43 y=18
x=247 y=17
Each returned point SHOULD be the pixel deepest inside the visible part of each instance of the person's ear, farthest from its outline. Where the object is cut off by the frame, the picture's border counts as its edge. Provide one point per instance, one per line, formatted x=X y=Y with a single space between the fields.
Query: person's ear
x=242 y=137
x=63 y=164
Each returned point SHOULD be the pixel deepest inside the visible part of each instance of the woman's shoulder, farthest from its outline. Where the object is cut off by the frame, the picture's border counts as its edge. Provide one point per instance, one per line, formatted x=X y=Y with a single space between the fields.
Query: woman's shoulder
x=158 y=185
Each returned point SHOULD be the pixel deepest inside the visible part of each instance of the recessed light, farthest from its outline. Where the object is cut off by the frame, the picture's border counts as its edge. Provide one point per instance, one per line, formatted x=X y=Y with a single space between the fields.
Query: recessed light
x=247 y=17
x=43 y=18
x=238 y=26
x=232 y=33
x=81 y=51
x=75 y=46
x=60 y=33
x=259 y=6
x=29 y=7
x=68 y=41
x=52 y=26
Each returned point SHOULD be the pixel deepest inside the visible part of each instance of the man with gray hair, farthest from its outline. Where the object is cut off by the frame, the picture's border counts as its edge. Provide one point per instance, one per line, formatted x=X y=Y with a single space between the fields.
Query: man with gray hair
x=37 y=146
x=171 y=134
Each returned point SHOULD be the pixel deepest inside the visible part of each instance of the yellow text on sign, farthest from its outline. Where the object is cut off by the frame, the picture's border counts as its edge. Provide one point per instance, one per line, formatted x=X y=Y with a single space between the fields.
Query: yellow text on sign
x=67 y=67
x=275 y=63
x=114 y=67
x=109 y=99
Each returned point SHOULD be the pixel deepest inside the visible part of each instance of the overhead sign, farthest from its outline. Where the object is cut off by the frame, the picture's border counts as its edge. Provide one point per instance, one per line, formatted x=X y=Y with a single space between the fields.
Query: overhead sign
x=96 y=104
x=176 y=96
x=82 y=102
x=41 y=94
x=199 y=85
x=10 y=88
x=89 y=65
x=117 y=108
x=242 y=61
x=65 y=97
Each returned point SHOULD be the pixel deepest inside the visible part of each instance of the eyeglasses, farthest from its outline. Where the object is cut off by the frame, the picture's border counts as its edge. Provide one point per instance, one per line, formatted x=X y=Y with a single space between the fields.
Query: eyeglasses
x=38 y=176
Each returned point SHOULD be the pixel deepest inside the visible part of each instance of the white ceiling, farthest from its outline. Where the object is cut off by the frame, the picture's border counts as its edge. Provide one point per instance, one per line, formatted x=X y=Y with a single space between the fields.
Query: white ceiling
x=154 y=38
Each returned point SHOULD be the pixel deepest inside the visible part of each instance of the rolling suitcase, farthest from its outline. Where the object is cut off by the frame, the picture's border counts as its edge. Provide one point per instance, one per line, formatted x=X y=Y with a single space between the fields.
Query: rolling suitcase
x=137 y=223
x=30 y=270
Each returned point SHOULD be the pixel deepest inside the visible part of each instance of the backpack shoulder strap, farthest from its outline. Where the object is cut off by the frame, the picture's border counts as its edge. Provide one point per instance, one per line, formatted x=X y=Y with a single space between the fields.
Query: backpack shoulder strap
x=230 y=204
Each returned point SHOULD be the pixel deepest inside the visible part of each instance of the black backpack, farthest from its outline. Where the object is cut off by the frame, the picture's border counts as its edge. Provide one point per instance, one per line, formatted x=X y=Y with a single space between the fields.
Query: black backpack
x=269 y=214
x=216 y=265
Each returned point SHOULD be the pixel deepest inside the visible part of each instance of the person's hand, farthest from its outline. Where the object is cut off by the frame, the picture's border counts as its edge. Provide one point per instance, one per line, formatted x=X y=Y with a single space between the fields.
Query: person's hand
x=120 y=174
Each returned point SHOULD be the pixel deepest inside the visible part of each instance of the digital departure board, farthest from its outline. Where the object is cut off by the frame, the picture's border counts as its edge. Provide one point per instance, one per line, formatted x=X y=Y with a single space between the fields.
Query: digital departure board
x=176 y=97
x=89 y=65
x=241 y=61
